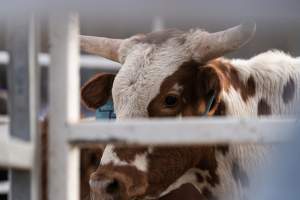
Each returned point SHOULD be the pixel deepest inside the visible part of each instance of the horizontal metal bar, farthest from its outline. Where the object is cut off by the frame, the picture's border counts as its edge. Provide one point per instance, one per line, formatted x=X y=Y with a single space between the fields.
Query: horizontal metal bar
x=86 y=61
x=4 y=187
x=183 y=131
x=14 y=153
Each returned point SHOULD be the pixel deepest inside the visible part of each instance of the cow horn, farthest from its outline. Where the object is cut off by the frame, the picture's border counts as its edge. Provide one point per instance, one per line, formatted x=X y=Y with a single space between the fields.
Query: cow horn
x=105 y=47
x=213 y=45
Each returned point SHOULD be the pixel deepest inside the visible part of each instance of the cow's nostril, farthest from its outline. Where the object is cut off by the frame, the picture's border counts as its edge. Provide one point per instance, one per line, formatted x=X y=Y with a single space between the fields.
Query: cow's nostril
x=113 y=187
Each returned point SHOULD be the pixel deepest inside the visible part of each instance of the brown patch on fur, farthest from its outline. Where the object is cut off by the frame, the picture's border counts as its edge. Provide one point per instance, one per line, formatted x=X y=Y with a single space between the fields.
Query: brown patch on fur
x=199 y=83
x=209 y=163
x=160 y=37
x=229 y=76
x=221 y=109
x=167 y=164
x=239 y=174
x=288 y=91
x=250 y=88
x=185 y=77
x=263 y=108
x=185 y=192
x=128 y=153
x=97 y=90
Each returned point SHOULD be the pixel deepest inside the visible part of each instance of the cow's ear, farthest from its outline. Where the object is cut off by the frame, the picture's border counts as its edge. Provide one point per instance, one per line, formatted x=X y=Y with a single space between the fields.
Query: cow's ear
x=96 y=91
x=208 y=89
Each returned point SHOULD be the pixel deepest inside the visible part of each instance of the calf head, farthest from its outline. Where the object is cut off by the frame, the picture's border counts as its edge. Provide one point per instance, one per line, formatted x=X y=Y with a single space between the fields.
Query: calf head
x=163 y=74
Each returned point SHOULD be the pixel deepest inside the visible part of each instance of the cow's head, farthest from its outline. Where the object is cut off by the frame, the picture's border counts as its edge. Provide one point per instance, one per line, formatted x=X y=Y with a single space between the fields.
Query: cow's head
x=165 y=73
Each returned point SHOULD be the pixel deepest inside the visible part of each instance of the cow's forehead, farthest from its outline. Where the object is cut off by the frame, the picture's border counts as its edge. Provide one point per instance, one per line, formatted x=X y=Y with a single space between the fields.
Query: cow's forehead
x=145 y=68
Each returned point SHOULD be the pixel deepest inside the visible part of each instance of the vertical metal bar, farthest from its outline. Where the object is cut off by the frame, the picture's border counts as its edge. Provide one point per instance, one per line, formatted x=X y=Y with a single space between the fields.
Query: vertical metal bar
x=64 y=106
x=34 y=104
x=23 y=83
x=18 y=79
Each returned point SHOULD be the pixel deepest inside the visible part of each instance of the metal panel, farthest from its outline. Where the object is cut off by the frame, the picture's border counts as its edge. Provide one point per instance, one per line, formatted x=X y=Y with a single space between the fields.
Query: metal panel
x=64 y=106
x=183 y=131
x=23 y=101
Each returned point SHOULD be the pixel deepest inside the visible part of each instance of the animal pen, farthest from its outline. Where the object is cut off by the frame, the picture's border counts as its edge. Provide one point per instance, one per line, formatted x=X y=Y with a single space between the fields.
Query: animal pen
x=20 y=136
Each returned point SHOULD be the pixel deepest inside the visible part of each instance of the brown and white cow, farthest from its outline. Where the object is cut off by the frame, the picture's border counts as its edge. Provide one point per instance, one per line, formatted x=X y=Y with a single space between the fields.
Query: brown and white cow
x=175 y=73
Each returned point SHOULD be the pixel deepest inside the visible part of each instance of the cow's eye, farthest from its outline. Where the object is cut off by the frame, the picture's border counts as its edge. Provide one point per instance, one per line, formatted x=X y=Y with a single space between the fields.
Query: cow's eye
x=171 y=100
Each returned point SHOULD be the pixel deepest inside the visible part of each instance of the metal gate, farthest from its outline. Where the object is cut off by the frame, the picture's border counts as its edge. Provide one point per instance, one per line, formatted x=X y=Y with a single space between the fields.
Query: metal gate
x=67 y=132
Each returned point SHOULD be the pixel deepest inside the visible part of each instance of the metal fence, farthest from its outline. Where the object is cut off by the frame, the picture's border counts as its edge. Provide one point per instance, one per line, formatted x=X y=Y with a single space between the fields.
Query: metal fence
x=67 y=132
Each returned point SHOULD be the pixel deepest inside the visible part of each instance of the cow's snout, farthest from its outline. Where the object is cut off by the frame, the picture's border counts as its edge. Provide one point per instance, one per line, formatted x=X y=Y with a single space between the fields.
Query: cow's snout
x=106 y=184
x=105 y=188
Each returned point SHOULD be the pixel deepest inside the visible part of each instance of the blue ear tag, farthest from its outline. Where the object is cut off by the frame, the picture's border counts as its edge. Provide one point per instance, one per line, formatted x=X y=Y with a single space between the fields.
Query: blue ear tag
x=106 y=111
x=209 y=104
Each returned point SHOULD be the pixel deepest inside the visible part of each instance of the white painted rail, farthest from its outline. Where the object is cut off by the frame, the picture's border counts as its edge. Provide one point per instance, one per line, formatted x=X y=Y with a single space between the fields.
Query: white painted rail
x=16 y=153
x=63 y=106
x=184 y=131
x=86 y=61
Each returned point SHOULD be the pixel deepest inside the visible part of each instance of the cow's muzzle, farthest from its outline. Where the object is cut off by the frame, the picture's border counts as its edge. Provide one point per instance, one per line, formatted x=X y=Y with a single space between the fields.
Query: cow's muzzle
x=117 y=183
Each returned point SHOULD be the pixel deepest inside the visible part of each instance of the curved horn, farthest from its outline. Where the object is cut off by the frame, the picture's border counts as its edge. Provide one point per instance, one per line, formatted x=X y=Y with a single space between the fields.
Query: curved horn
x=105 y=47
x=213 y=45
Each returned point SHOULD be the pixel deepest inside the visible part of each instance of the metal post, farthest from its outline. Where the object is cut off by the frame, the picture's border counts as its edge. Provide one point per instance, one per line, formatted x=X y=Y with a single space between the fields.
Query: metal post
x=64 y=106
x=23 y=83
x=158 y=23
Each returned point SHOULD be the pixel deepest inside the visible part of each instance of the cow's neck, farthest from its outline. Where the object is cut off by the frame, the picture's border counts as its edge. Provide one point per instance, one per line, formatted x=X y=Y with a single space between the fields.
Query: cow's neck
x=232 y=170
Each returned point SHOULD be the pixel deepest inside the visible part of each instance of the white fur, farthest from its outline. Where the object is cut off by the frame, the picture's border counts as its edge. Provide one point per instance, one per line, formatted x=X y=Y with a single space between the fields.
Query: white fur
x=109 y=156
x=188 y=177
x=271 y=71
x=177 y=88
x=141 y=162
